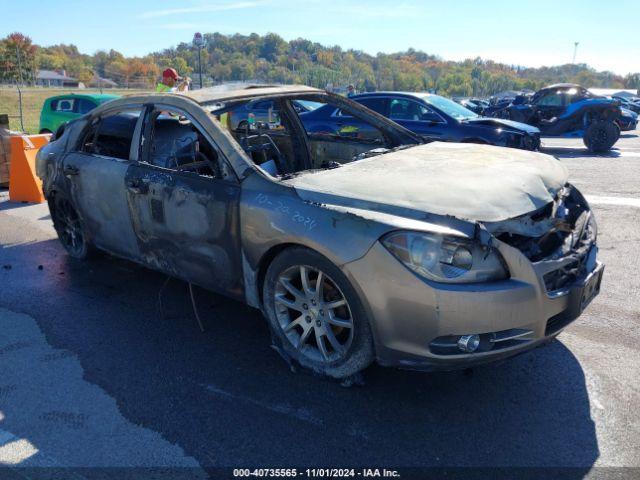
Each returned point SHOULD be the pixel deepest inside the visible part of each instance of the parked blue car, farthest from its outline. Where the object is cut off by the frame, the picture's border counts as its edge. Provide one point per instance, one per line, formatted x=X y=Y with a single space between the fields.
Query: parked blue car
x=431 y=116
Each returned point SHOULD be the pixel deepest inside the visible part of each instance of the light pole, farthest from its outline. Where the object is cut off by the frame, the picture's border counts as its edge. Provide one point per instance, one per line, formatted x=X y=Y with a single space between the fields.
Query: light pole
x=575 y=50
x=199 y=42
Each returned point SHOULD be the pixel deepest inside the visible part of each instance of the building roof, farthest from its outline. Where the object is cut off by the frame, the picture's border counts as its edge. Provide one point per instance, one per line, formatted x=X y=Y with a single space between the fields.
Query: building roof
x=52 y=75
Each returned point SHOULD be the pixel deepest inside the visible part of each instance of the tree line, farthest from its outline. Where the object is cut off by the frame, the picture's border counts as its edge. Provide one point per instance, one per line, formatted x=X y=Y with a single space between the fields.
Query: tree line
x=270 y=58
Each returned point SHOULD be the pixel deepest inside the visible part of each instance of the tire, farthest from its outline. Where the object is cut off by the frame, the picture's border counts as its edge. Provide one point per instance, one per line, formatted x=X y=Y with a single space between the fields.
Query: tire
x=69 y=227
x=45 y=130
x=333 y=341
x=601 y=135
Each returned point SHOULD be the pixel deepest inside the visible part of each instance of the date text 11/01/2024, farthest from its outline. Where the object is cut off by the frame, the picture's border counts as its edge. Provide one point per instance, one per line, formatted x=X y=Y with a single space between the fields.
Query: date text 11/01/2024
x=317 y=472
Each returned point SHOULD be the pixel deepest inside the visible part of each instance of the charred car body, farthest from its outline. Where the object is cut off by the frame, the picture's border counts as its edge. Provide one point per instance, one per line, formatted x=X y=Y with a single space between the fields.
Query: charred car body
x=567 y=109
x=424 y=256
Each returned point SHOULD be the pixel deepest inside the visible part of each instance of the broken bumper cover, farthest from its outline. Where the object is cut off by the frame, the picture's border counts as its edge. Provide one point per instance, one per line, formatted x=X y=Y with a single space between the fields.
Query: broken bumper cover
x=417 y=324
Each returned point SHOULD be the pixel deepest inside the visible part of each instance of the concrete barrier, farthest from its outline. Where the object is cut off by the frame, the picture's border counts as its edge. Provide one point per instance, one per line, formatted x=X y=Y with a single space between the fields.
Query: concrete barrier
x=24 y=184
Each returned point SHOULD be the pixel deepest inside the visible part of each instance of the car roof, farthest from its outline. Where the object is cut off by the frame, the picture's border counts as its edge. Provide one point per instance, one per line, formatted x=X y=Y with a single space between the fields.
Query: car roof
x=561 y=86
x=236 y=92
x=99 y=97
x=418 y=95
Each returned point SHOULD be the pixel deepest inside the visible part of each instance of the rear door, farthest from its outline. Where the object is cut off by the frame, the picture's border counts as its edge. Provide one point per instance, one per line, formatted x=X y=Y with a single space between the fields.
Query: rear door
x=184 y=203
x=96 y=171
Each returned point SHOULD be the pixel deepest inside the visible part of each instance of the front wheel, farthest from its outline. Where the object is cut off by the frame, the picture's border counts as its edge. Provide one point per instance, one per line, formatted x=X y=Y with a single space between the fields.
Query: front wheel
x=315 y=314
x=601 y=135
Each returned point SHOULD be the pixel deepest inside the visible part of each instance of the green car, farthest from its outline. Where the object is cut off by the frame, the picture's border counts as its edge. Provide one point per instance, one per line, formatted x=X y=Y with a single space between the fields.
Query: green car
x=62 y=108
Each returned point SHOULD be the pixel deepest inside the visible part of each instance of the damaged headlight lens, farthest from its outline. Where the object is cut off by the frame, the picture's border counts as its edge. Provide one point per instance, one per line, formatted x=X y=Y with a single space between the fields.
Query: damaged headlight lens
x=446 y=259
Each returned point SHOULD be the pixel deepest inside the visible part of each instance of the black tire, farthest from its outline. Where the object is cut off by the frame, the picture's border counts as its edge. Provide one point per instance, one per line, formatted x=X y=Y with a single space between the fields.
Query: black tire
x=601 y=135
x=360 y=351
x=69 y=227
x=44 y=130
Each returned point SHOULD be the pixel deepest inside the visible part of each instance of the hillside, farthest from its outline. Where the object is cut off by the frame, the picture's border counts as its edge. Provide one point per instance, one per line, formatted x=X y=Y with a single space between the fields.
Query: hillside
x=270 y=58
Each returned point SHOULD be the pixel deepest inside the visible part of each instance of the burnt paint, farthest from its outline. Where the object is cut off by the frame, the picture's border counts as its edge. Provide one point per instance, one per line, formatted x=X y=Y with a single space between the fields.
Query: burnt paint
x=99 y=197
x=187 y=226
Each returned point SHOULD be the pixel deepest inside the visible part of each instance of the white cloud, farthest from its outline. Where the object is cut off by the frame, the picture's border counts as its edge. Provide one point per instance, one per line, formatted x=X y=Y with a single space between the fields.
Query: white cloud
x=216 y=7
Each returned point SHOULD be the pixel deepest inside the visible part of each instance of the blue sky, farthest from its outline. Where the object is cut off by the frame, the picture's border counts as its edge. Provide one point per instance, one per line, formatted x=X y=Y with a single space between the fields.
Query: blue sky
x=530 y=33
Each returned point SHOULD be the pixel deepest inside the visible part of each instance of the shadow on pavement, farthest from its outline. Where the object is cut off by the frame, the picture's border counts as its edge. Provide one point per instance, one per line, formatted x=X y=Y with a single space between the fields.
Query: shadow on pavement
x=12 y=205
x=228 y=399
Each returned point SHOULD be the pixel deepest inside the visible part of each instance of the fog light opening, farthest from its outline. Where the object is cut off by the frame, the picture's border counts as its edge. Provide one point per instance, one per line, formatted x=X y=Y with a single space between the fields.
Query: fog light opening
x=469 y=343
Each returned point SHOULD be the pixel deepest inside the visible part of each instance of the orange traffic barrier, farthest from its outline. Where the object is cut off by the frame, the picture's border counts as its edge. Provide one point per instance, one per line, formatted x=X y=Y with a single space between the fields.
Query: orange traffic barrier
x=24 y=185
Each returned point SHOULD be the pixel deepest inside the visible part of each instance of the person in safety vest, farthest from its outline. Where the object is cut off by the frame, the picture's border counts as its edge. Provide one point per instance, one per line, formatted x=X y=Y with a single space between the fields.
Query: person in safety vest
x=172 y=82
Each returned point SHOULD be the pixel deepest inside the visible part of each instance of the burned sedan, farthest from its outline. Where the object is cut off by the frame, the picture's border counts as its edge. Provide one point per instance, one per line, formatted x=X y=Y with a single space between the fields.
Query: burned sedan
x=375 y=247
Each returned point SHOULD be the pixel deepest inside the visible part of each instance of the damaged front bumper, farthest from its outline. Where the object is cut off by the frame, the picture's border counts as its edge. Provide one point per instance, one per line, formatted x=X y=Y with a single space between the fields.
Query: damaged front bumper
x=551 y=256
x=417 y=324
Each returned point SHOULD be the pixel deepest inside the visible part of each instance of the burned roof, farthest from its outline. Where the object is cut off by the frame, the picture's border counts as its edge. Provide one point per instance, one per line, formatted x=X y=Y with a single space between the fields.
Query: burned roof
x=235 y=92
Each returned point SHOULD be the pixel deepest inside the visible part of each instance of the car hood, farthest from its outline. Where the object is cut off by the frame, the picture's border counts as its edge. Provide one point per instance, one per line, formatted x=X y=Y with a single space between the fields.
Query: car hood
x=502 y=123
x=467 y=181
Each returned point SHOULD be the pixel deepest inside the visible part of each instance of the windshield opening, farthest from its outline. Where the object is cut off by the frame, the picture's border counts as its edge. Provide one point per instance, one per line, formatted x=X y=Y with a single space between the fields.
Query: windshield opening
x=290 y=134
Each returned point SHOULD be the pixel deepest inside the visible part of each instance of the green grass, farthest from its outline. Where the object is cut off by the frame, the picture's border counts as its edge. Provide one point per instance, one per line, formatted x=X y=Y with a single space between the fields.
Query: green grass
x=32 y=100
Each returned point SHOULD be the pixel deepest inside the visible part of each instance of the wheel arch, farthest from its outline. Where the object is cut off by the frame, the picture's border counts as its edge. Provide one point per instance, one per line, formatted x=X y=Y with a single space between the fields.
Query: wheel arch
x=267 y=258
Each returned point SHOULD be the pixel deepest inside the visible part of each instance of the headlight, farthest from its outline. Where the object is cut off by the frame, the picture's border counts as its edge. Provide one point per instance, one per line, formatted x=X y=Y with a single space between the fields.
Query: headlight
x=446 y=259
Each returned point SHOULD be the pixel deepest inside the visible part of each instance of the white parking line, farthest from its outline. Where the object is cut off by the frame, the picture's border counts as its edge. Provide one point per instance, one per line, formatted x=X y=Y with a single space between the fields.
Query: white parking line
x=625 y=201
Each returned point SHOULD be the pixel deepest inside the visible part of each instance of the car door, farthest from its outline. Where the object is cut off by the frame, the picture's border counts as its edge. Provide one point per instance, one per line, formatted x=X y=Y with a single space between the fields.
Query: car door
x=418 y=118
x=96 y=171
x=184 y=203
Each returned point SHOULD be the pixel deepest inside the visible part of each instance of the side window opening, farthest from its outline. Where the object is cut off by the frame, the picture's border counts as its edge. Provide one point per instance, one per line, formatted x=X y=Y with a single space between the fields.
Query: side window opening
x=405 y=109
x=377 y=104
x=177 y=144
x=550 y=100
x=265 y=134
x=111 y=135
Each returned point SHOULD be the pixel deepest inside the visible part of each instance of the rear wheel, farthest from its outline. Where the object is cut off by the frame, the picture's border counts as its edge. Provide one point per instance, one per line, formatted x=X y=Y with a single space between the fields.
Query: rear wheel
x=601 y=135
x=315 y=314
x=69 y=228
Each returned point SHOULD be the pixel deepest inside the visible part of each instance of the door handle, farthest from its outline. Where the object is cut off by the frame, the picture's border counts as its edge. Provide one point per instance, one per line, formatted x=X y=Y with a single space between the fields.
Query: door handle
x=137 y=186
x=70 y=170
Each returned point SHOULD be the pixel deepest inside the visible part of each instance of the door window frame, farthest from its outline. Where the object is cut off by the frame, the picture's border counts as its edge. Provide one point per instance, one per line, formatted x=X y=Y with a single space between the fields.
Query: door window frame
x=147 y=132
x=135 y=139
x=441 y=121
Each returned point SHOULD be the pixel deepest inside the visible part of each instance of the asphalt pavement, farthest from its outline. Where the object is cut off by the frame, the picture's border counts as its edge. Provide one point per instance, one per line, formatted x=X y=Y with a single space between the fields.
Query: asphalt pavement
x=102 y=368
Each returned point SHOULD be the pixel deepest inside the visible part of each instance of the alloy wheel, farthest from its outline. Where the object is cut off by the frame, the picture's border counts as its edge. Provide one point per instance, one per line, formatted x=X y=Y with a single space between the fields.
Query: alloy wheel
x=313 y=313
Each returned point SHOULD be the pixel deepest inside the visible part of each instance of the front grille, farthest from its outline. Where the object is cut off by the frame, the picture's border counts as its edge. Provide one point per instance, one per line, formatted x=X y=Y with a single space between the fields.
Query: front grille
x=562 y=277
